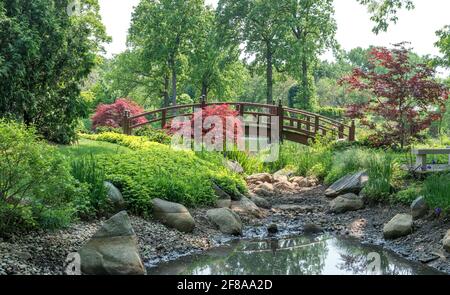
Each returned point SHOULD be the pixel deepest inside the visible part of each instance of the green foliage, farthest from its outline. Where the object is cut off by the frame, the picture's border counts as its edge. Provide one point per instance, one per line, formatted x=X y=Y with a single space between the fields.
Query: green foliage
x=409 y=194
x=349 y=161
x=154 y=135
x=87 y=171
x=436 y=191
x=36 y=188
x=157 y=171
x=381 y=169
x=105 y=129
x=47 y=54
x=86 y=147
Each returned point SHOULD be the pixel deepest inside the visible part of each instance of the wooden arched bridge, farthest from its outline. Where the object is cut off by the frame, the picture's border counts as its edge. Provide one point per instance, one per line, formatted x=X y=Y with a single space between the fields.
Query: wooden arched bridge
x=294 y=124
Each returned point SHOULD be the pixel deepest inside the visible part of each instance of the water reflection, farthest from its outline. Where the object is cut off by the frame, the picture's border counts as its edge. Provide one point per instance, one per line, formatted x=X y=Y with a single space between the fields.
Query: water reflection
x=294 y=256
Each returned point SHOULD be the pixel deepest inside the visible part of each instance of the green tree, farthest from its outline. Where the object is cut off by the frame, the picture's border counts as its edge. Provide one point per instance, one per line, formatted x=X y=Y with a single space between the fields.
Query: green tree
x=261 y=26
x=164 y=31
x=313 y=30
x=45 y=54
x=444 y=45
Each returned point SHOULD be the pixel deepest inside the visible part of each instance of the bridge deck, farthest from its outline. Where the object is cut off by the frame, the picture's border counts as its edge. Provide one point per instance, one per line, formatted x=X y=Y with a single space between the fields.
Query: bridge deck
x=294 y=124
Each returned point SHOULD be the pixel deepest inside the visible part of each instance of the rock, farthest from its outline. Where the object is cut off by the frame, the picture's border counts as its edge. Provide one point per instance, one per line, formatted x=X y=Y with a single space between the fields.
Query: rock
x=262 y=177
x=286 y=172
x=226 y=220
x=223 y=199
x=113 y=250
x=284 y=187
x=272 y=229
x=292 y=207
x=281 y=178
x=260 y=202
x=246 y=207
x=115 y=197
x=419 y=208
x=352 y=183
x=173 y=215
x=399 y=226
x=24 y=255
x=300 y=181
x=264 y=189
x=345 y=203
x=311 y=228
x=234 y=166
x=446 y=241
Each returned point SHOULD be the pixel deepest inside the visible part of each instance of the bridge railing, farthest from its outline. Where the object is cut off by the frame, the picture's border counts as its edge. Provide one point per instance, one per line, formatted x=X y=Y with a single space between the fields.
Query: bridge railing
x=294 y=124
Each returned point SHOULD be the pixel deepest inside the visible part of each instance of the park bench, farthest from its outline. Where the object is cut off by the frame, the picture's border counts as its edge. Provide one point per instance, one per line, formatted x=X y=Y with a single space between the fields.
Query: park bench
x=421 y=159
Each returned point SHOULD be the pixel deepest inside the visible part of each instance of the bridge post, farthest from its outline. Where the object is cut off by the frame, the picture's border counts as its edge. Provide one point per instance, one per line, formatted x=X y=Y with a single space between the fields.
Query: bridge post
x=163 y=118
x=280 y=114
x=316 y=125
x=352 y=132
x=126 y=123
x=203 y=101
x=341 y=131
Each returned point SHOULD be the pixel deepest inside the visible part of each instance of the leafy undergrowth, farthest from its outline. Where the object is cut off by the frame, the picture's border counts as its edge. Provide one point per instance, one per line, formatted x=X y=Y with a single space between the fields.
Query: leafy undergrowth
x=155 y=170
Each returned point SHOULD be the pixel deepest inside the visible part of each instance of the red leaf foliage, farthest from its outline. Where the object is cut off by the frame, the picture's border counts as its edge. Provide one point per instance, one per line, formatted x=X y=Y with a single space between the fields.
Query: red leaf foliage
x=210 y=117
x=110 y=115
x=405 y=98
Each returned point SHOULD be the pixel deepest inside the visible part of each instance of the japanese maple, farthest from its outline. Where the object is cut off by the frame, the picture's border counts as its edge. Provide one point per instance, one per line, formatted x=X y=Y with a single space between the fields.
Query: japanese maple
x=111 y=115
x=404 y=96
x=209 y=119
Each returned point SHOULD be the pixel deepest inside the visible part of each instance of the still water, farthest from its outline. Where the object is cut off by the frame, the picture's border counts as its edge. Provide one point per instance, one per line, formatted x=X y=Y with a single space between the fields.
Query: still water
x=293 y=256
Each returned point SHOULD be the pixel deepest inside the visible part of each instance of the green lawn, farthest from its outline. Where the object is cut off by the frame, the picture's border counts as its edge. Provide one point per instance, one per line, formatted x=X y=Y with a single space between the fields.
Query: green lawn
x=86 y=147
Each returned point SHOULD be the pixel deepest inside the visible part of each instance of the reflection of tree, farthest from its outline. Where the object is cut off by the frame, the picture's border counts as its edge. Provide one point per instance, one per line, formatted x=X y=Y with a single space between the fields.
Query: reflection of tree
x=355 y=259
x=290 y=256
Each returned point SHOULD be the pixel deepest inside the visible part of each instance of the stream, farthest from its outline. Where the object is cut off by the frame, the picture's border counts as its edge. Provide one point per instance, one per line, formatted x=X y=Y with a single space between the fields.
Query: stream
x=303 y=255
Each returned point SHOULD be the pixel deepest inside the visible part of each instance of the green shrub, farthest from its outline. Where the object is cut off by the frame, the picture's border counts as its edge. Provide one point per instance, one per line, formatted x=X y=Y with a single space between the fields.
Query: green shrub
x=158 y=171
x=36 y=188
x=346 y=162
x=436 y=190
x=317 y=159
x=105 y=129
x=250 y=163
x=409 y=194
x=380 y=168
x=154 y=135
x=87 y=171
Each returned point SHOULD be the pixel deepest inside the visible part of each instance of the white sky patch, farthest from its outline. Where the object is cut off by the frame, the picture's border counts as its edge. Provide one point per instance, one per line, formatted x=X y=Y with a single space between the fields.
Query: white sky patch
x=354 y=27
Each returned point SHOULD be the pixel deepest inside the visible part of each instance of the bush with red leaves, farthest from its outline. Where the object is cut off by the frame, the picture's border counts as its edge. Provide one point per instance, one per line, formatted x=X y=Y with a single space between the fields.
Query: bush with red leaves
x=110 y=115
x=405 y=98
x=222 y=115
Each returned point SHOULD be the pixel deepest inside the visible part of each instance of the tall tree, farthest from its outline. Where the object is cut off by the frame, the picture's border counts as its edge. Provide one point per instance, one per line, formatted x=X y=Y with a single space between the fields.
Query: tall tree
x=164 y=30
x=46 y=53
x=261 y=27
x=444 y=45
x=313 y=29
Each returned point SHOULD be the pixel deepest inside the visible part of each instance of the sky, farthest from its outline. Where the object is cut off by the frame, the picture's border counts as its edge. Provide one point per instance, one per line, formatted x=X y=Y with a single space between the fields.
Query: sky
x=354 y=27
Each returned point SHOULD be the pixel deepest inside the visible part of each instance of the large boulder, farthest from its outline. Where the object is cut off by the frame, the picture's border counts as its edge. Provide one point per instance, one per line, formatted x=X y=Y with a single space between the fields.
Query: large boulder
x=173 y=215
x=223 y=199
x=260 y=177
x=113 y=250
x=345 y=203
x=246 y=207
x=419 y=208
x=264 y=189
x=446 y=241
x=115 y=197
x=234 y=166
x=285 y=187
x=352 y=183
x=399 y=226
x=226 y=220
x=300 y=181
x=260 y=202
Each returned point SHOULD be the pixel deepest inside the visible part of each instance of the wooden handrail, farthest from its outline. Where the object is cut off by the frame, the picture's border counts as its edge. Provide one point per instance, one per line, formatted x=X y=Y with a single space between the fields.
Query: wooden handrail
x=310 y=126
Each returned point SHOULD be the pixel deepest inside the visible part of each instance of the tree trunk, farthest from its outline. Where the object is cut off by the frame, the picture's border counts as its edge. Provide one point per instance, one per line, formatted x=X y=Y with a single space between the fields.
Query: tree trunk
x=166 y=91
x=269 y=74
x=205 y=90
x=305 y=83
x=174 y=81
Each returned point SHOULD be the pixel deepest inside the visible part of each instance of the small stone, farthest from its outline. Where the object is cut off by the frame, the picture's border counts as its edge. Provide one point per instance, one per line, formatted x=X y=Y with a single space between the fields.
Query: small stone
x=262 y=177
x=446 y=241
x=311 y=228
x=345 y=203
x=399 y=226
x=419 y=208
x=272 y=228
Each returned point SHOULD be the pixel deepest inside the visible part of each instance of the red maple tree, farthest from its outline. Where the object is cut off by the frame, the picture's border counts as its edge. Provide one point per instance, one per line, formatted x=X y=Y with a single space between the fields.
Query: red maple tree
x=111 y=115
x=228 y=118
x=405 y=98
